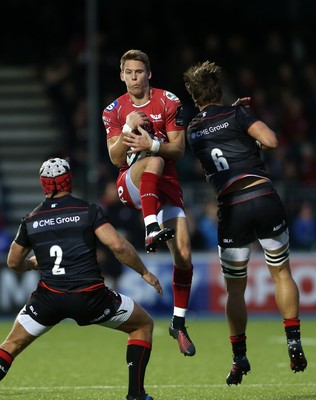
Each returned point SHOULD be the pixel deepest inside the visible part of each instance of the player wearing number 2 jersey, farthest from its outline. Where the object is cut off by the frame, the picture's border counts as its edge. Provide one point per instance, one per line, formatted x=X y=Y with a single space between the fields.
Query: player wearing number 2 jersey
x=63 y=231
x=227 y=141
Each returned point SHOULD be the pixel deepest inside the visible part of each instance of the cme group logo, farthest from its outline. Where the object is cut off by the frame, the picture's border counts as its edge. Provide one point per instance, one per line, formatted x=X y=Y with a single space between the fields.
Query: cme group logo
x=58 y=221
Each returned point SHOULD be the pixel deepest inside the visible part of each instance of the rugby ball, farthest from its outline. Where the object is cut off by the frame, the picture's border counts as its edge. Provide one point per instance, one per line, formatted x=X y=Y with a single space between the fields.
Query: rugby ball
x=133 y=157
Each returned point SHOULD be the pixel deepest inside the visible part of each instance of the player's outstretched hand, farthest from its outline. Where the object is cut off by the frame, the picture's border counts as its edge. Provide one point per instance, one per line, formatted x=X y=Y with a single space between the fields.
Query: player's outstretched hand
x=244 y=101
x=153 y=281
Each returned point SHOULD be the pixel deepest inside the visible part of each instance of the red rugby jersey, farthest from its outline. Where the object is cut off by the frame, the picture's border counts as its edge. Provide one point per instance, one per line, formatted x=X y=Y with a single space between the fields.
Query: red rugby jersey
x=164 y=109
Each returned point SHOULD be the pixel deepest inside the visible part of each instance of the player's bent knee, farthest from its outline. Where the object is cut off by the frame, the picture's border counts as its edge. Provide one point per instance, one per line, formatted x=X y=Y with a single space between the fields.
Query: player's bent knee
x=182 y=258
x=141 y=318
x=154 y=164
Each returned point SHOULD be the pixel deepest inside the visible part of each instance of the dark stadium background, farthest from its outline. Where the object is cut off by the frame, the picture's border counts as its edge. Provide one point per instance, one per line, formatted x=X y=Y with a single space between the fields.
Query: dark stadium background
x=71 y=50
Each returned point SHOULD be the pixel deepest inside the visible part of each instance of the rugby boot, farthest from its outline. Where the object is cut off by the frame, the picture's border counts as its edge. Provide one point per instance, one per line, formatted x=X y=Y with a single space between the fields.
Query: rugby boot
x=298 y=361
x=239 y=368
x=156 y=238
x=186 y=345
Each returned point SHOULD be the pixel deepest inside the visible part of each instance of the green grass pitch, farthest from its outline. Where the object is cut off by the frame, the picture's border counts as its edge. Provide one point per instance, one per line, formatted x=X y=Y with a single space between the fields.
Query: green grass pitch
x=88 y=363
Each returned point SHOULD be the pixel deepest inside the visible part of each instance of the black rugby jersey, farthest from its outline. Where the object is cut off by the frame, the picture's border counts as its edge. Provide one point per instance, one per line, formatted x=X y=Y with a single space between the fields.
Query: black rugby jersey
x=218 y=138
x=61 y=233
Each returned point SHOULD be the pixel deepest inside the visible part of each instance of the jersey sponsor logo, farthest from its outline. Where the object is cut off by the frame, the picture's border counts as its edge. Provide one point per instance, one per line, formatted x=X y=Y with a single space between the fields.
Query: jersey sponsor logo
x=56 y=221
x=179 y=117
x=171 y=96
x=106 y=120
x=228 y=240
x=207 y=131
x=54 y=205
x=155 y=117
x=111 y=106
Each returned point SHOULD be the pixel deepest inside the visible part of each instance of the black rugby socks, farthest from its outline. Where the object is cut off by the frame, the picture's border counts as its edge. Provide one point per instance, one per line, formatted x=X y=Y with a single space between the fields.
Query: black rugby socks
x=5 y=363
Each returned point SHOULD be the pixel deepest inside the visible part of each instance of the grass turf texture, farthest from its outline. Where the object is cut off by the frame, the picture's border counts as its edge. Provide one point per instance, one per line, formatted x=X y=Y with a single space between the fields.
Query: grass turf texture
x=71 y=362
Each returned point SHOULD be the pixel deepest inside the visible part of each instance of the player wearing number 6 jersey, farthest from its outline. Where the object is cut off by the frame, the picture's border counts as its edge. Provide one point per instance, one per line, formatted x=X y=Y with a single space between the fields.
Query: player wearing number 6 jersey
x=227 y=141
x=63 y=231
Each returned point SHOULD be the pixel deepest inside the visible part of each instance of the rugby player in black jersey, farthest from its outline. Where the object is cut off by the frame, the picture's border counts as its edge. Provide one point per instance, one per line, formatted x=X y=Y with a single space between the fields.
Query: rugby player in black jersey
x=228 y=141
x=62 y=232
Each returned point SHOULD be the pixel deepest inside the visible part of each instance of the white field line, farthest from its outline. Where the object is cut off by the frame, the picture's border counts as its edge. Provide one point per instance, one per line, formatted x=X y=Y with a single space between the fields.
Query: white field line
x=52 y=388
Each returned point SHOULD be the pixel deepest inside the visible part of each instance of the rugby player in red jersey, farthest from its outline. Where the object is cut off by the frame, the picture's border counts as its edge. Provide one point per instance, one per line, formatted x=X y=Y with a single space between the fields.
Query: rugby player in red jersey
x=145 y=137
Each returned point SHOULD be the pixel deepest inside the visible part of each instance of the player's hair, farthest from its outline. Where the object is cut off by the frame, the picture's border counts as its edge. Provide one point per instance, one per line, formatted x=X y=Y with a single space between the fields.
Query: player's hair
x=137 y=55
x=202 y=81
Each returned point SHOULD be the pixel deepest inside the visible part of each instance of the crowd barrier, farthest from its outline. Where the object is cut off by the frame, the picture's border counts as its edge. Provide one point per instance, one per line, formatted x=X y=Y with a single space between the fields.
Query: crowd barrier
x=207 y=292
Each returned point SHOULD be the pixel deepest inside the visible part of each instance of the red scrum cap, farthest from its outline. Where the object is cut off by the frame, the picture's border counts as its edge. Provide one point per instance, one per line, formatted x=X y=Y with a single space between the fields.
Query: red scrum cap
x=55 y=176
